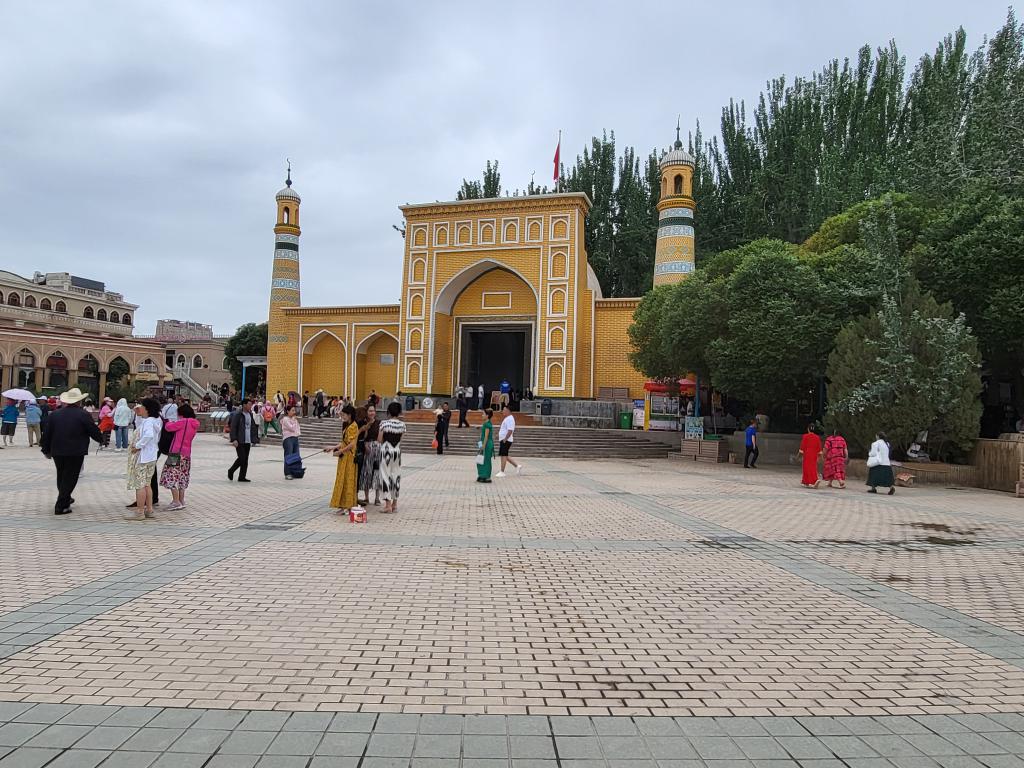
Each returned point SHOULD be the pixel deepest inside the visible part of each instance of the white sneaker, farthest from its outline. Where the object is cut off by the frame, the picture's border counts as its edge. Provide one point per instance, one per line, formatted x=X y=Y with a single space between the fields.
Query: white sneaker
x=500 y=474
x=519 y=469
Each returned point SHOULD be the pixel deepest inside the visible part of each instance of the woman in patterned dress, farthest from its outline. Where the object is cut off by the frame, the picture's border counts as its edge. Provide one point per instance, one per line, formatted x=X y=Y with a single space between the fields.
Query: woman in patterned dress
x=369 y=478
x=142 y=461
x=345 y=482
x=836 y=454
x=389 y=438
x=176 y=477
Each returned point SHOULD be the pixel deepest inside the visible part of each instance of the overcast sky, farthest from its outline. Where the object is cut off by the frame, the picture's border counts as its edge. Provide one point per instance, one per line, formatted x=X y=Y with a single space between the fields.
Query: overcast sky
x=142 y=141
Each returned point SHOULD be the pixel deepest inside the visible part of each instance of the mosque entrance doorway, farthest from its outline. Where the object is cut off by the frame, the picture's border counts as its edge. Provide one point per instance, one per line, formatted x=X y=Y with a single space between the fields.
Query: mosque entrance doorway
x=491 y=353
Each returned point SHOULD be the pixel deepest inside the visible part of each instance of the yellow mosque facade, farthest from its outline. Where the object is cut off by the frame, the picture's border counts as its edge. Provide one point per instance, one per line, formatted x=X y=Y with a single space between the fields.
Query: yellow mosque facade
x=492 y=289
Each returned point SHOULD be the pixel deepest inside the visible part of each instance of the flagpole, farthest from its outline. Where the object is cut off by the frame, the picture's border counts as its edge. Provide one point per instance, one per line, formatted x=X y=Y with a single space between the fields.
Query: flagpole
x=558 y=171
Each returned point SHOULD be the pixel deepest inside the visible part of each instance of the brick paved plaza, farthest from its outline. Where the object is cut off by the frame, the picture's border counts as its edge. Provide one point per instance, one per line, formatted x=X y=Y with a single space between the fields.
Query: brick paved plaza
x=584 y=614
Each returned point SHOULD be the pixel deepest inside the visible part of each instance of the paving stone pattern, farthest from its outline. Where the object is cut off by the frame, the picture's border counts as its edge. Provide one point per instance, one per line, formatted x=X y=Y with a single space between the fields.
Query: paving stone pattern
x=653 y=613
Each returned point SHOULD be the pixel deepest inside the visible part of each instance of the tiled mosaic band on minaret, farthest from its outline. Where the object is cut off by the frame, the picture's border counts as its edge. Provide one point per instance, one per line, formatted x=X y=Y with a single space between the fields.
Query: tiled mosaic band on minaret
x=674 y=253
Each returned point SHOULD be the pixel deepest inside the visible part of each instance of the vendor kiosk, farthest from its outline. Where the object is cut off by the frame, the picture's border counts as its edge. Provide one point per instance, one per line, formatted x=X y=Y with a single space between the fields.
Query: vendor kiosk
x=661 y=407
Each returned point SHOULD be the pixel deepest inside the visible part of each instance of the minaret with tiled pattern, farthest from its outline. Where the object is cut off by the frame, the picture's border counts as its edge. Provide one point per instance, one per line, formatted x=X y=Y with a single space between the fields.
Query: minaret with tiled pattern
x=284 y=289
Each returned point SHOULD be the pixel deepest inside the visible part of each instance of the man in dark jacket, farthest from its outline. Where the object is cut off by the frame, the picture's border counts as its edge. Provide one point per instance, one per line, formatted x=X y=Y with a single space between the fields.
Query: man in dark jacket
x=244 y=434
x=66 y=440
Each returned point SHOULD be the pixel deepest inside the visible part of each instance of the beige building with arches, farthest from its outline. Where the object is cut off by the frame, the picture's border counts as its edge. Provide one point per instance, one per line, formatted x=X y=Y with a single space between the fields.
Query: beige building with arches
x=59 y=331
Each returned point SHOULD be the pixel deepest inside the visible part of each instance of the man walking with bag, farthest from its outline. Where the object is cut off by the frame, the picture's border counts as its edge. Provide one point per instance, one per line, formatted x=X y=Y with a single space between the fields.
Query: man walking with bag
x=66 y=441
x=244 y=433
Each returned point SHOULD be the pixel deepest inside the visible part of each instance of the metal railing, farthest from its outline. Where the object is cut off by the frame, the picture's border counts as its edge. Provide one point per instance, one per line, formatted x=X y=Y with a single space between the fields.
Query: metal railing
x=181 y=373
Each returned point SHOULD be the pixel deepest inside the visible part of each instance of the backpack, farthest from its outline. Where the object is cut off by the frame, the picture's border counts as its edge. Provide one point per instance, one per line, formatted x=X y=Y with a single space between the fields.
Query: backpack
x=268 y=413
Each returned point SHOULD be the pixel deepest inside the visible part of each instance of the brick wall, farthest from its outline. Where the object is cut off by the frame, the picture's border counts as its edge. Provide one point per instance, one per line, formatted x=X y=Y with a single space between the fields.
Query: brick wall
x=611 y=347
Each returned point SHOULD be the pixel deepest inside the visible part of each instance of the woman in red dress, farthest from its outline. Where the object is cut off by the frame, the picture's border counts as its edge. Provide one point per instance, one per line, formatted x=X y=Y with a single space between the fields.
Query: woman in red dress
x=810 y=447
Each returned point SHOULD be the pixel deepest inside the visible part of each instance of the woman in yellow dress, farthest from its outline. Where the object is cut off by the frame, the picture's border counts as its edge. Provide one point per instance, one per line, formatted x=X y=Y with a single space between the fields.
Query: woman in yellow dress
x=345 y=481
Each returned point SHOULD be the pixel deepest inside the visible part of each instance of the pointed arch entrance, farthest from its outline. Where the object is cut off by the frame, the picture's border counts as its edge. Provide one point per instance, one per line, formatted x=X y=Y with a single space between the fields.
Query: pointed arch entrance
x=323 y=364
x=377 y=365
x=486 y=322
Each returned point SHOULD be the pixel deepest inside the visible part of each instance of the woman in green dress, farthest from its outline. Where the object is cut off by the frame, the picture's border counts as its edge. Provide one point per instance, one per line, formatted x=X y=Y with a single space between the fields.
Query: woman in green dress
x=486 y=446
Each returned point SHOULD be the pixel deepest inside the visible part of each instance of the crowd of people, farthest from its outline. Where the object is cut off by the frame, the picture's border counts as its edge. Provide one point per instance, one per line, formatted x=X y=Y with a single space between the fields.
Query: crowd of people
x=145 y=431
x=832 y=453
x=369 y=452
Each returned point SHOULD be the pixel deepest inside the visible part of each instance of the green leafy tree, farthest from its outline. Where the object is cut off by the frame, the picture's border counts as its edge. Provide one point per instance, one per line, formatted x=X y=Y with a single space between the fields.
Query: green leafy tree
x=779 y=327
x=470 y=190
x=647 y=337
x=492 y=180
x=594 y=174
x=849 y=271
x=912 y=366
x=635 y=228
x=490 y=186
x=993 y=143
x=972 y=255
x=249 y=339
x=909 y=367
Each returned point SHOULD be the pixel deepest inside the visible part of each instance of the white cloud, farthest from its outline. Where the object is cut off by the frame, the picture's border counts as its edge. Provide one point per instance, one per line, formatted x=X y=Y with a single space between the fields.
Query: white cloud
x=142 y=142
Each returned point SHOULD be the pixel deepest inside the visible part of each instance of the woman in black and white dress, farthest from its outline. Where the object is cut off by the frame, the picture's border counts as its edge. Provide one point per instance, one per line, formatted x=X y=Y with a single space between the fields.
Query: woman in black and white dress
x=390 y=437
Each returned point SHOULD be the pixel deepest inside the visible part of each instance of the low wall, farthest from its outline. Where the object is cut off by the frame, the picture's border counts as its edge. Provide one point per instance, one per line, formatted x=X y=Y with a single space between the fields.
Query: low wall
x=1000 y=463
x=585 y=422
x=925 y=473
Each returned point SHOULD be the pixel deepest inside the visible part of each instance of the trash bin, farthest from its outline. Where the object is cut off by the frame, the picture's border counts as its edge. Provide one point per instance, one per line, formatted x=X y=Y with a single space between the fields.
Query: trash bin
x=410 y=402
x=625 y=420
x=545 y=407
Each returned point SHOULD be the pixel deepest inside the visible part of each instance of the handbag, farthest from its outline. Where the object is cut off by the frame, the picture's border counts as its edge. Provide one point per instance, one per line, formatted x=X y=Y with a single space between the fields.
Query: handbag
x=480 y=459
x=174 y=457
x=872 y=461
x=433 y=443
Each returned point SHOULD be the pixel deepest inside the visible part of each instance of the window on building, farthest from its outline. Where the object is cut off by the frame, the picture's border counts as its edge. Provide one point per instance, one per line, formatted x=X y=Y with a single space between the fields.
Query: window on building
x=197 y=361
x=101 y=315
x=677 y=187
x=61 y=307
x=88 y=313
x=45 y=304
x=127 y=319
x=13 y=300
x=180 y=361
x=88 y=365
x=287 y=215
x=26 y=367
x=57 y=367
x=30 y=302
x=115 y=318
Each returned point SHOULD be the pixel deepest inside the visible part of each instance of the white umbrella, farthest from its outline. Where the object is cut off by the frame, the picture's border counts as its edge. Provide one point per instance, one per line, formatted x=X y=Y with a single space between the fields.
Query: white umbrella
x=18 y=394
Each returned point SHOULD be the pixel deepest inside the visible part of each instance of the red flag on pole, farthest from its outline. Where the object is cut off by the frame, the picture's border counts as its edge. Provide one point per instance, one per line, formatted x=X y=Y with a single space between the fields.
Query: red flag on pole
x=558 y=151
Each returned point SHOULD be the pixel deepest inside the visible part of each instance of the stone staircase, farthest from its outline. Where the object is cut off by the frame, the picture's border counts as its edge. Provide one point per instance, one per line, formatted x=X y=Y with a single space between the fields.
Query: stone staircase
x=544 y=442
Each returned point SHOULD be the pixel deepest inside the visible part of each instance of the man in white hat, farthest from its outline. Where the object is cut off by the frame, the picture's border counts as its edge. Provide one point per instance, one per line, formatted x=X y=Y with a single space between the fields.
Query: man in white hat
x=66 y=440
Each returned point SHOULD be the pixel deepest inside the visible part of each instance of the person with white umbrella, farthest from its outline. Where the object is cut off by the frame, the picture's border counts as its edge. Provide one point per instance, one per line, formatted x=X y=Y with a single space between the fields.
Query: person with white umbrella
x=9 y=418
